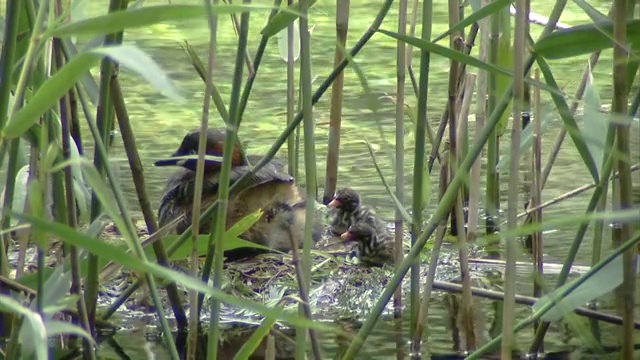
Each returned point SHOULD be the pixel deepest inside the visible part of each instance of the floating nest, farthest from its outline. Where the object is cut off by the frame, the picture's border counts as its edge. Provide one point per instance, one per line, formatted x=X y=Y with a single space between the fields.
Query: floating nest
x=340 y=286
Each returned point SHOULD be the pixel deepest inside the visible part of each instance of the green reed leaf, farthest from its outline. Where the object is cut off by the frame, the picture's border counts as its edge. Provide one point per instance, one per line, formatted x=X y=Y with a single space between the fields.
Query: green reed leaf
x=569 y=121
x=49 y=93
x=140 y=17
x=405 y=215
x=102 y=191
x=595 y=125
x=33 y=333
x=139 y=61
x=477 y=15
x=583 y=39
x=621 y=216
x=594 y=14
x=599 y=283
x=63 y=328
x=464 y=58
x=184 y=251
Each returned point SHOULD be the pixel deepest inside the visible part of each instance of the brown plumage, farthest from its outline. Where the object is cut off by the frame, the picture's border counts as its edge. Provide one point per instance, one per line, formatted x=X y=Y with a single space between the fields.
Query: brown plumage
x=345 y=209
x=374 y=244
x=270 y=189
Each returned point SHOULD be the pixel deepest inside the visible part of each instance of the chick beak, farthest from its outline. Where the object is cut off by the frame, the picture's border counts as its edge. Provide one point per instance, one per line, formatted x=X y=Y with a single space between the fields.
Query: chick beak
x=335 y=203
x=346 y=236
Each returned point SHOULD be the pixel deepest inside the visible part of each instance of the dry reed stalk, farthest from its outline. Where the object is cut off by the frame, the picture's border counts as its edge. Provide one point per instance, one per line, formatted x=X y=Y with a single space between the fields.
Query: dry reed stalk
x=481 y=115
x=335 y=113
x=435 y=254
x=467 y=301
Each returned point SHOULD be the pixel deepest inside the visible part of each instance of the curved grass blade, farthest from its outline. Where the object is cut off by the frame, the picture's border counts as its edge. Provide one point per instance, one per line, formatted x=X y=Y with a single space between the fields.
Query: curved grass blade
x=595 y=15
x=32 y=338
x=405 y=215
x=371 y=99
x=55 y=289
x=49 y=94
x=568 y=120
x=199 y=67
x=129 y=19
x=184 y=250
x=620 y=216
x=139 y=61
x=101 y=190
x=599 y=283
x=476 y=16
x=63 y=328
x=112 y=253
x=94 y=231
x=70 y=73
x=464 y=58
x=250 y=346
x=595 y=122
x=19 y=192
x=583 y=39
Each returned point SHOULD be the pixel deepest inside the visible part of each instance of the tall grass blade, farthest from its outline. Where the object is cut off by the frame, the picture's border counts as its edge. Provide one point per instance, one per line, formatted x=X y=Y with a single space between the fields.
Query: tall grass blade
x=583 y=39
x=150 y=15
x=466 y=59
x=595 y=15
x=595 y=123
x=405 y=215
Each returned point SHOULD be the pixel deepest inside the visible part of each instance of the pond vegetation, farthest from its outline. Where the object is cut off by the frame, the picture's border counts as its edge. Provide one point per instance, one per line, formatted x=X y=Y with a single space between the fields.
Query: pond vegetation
x=494 y=146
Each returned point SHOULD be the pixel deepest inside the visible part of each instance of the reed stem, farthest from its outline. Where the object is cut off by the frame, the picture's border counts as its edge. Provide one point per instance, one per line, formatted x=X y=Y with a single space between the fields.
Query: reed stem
x=72 y=221
x=309 y=164
x=514 y=179
x=104 y=122
x=622 y=231
x=291 y=98
x=536 y=191
x=223 y=191
x=401 y=64
x=335 y=114
x=419 y=164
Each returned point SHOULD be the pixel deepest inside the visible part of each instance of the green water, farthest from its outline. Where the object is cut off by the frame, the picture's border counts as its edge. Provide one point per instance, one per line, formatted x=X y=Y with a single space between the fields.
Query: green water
x=160 y=124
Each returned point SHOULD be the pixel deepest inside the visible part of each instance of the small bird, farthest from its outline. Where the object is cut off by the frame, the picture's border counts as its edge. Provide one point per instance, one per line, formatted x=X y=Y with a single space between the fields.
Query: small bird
x=271 y=189
x=345 y=210
x=374 y=245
